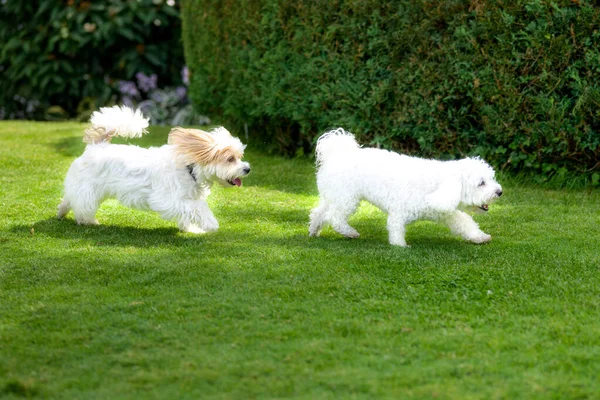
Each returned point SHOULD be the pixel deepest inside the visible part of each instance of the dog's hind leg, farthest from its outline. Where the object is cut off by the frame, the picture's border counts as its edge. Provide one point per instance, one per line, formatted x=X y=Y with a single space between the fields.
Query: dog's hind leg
x=317 y=219
x=338 y=214
x=63 y=208
x=85 y=204
x=461 y=223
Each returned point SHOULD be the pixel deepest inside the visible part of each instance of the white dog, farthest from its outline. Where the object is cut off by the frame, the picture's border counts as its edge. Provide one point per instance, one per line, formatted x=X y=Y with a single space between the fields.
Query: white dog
x=406 y=188
x=174 y=180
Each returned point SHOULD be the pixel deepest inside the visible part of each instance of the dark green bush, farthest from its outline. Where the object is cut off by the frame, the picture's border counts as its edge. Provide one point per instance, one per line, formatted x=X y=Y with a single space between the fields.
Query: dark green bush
x=515 y=81
x=57 y=56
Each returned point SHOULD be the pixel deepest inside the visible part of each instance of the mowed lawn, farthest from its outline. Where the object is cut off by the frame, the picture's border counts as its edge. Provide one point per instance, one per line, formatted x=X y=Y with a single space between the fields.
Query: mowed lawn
x=133 y=309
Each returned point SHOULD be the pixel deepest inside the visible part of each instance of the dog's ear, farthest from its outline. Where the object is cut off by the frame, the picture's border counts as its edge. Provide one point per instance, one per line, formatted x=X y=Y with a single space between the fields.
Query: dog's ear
x=447 y=196
x=193 y=145
x=196 y=146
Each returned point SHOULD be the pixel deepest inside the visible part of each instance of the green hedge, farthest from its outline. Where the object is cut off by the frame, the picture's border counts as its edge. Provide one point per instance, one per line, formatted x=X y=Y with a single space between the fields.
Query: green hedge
x=515 y=81
x=60 y=58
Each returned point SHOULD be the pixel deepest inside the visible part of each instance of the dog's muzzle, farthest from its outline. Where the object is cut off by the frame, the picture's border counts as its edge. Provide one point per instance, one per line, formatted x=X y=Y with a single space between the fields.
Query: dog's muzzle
x=237 y=181
x=486 y=207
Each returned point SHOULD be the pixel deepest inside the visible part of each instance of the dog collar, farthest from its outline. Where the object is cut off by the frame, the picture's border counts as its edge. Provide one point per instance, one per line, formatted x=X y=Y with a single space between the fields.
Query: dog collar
x=190 y=168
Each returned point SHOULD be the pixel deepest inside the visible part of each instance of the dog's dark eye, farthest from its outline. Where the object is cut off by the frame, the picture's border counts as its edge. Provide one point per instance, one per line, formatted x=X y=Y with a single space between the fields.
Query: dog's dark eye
x=231 y=159
x=482 y=183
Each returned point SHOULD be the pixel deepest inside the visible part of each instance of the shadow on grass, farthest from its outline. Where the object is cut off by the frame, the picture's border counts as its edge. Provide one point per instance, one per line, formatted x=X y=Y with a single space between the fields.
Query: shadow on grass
x=109 y=235
x=421 y=244
x=372 y=239
x=69 y=146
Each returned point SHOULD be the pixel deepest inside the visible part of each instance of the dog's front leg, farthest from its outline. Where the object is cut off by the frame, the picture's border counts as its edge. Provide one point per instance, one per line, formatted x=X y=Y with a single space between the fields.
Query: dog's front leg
x=196 y=217
x=396 y=226
x=461 y=223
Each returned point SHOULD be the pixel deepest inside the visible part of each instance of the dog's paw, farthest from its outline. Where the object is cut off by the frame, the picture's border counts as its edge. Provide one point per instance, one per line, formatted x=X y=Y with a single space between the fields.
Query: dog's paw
x=210 y=224
x=482 y=238
x=88 y=222
x=193 y=229
x=352 y=235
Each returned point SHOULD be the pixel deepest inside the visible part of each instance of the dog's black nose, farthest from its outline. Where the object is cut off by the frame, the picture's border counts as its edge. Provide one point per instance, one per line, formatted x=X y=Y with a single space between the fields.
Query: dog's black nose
x=247 y=170
x=499 y=193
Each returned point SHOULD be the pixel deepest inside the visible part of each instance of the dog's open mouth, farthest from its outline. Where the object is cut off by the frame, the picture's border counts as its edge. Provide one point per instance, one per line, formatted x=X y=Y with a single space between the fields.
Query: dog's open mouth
x=235 y=182
x=484 y=207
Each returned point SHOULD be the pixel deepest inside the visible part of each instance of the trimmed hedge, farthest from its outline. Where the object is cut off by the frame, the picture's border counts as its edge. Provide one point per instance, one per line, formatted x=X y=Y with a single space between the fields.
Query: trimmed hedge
x=61 y=58
x=515 y=81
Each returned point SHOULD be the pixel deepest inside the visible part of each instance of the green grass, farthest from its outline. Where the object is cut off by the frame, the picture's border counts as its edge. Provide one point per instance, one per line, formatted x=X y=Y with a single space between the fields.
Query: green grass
x=134 y=309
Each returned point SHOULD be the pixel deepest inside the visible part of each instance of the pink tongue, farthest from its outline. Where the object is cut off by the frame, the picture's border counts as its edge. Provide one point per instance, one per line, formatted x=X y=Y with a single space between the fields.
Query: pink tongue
x=237 y=181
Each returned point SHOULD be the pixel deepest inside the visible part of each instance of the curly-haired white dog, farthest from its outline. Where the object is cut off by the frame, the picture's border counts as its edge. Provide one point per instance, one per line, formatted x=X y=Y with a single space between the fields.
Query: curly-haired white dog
x=174 y=180
x=406 y=188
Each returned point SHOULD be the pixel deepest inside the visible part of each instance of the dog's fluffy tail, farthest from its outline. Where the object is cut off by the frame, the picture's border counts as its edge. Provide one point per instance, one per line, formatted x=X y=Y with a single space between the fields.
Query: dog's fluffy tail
x=115 y=121
x=334 y=141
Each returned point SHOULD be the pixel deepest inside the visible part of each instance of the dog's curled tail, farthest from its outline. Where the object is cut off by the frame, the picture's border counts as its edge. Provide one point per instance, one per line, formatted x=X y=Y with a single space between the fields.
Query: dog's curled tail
x=334 y=141
x=115 y=121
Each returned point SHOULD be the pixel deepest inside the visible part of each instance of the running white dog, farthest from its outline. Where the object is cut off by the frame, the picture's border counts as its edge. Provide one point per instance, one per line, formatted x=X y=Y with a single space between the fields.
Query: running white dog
x=173 y=180
x=406 y=188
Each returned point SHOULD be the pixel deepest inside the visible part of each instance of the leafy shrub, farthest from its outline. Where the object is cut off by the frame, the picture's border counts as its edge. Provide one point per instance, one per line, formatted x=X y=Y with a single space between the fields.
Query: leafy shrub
x=64 y=57
x=514 y=81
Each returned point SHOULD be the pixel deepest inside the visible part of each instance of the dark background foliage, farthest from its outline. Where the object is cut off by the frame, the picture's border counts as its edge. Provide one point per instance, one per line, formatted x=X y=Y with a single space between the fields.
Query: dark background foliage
x=515 y=81
x=59 y=58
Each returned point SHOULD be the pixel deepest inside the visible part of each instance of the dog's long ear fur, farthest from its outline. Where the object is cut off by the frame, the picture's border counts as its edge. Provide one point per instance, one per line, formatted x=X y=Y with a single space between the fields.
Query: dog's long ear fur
x=447 y=196
x=198 y=146
x=193 y=145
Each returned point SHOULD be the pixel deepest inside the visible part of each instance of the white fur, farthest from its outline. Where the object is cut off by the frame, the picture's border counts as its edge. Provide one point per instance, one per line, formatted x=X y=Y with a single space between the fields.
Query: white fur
x=123 y=121
x=406 y=188
x=154 y=179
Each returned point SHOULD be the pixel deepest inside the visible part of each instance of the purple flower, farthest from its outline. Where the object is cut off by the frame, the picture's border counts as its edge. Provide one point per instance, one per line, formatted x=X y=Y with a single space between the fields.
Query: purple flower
x=185 y=75
x=128 y=88
x=181 y=92
x=157 y=96
x=128 y=102
x=32 y=106
x=146 y=83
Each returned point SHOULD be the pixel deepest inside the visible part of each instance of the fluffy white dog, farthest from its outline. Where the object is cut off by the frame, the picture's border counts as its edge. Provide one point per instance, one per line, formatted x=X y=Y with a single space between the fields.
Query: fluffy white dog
x=174 y=180
x=406 y=188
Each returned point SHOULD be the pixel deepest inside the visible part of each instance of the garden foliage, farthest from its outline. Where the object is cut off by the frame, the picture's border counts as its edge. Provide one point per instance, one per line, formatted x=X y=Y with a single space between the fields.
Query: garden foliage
x=63 y=58
x=515 y=81
x=162 y=106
